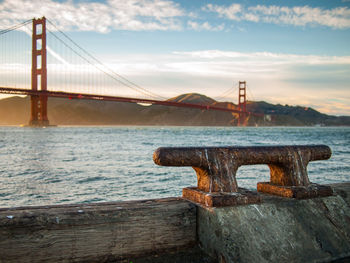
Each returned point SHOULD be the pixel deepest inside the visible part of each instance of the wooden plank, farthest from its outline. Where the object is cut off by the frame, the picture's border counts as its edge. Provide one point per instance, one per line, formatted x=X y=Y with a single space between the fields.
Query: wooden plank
x=96 y=232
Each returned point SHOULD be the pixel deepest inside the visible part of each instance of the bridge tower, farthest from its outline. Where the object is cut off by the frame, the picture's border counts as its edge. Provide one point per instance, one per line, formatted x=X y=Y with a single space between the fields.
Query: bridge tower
x=39 y=74
x=242 y=103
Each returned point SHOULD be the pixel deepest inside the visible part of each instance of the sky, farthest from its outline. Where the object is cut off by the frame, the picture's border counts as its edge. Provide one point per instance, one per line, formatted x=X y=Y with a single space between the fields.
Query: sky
x=289 y=52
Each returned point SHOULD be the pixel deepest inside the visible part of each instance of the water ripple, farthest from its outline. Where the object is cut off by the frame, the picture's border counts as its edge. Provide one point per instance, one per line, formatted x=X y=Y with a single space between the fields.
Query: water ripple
x=53 y=166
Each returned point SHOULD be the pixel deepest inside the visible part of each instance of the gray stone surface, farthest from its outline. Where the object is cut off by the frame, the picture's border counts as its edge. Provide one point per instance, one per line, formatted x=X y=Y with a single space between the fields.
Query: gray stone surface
x=190 y=255
x=279 y=229
x=342 y=189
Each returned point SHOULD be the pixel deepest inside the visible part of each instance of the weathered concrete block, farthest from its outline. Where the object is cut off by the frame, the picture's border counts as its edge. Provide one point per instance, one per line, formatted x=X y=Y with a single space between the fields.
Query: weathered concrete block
x=278 y=230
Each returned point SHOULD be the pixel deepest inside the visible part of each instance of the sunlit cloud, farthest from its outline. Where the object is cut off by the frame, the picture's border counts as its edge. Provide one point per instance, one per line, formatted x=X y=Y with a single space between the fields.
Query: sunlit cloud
x=337 y=18
x=267 y=56
x=277 y=78
x=204 y=26
x=232 y=12
x=145 y=15
x=96 y=16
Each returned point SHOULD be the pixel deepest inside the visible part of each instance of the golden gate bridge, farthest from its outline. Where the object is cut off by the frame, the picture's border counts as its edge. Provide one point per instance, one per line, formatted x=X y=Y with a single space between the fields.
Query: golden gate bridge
x=14 y=75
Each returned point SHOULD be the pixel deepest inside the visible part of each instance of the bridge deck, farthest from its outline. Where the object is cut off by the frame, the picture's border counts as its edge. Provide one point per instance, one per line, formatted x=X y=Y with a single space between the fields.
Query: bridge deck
x=86 y=96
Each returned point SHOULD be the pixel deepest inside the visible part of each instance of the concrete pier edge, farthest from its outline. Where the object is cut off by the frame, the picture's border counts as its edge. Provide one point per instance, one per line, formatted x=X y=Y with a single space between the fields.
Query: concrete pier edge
x=175 y=230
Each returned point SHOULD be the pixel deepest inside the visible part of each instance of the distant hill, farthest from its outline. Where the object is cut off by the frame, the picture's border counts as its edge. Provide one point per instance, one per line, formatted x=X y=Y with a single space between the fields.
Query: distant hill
x=16 y=111
x=193 y=98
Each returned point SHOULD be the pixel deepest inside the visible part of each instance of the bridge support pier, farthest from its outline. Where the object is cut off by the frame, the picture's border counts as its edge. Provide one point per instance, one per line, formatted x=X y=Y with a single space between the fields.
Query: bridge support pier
x=242 y=103
x=39 y=74
x=39 y=111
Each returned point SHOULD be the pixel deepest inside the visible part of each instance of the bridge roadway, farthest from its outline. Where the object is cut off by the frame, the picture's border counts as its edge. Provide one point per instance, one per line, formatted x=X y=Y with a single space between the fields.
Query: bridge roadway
x=71 y=95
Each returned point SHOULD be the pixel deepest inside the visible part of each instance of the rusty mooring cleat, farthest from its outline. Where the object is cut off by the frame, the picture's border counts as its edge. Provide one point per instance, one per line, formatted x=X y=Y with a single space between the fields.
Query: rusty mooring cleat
x=288 y=173
x=216 y=169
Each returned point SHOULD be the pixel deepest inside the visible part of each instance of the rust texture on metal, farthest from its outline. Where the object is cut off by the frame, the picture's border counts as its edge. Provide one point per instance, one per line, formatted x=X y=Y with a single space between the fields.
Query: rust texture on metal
x=242 y=197
x=216 y=168
x=298 y=192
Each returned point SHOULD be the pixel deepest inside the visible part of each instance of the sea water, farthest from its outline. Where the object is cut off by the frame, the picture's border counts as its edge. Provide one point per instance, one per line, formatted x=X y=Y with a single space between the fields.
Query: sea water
x=64 y=165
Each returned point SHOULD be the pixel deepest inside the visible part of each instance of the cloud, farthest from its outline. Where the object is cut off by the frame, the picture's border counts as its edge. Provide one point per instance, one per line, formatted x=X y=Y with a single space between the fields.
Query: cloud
x=96 y=16
x=275 y=77
x=337 y=18
x=268 y=57
x=232 y=12
x=336 y=108
x=294 y=69
x=145 y=15
x=204 y=26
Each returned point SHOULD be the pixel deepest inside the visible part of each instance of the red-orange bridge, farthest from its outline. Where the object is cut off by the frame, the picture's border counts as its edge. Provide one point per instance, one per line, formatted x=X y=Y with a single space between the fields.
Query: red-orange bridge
x=38 y=89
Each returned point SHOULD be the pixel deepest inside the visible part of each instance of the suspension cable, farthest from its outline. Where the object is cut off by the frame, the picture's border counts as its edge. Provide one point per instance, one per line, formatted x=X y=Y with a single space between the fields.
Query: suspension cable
x=250 y=94
x=97 y=67
x=226 y=93
x=15 y=27
x=125 y=81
